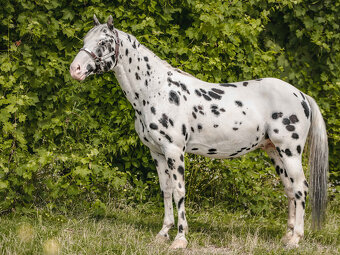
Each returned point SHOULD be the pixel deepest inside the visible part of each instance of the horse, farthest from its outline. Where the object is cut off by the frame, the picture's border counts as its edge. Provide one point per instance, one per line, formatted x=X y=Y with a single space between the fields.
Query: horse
x=177 y=113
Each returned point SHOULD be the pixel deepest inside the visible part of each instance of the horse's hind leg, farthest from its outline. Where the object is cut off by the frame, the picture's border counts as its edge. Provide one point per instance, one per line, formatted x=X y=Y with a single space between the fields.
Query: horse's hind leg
x=289 y=167
x=293 y=166
x=281 y=171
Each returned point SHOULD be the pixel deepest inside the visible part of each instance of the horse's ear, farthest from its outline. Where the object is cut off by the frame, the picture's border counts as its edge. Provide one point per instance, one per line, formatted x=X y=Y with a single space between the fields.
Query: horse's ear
x=110 y=23
x=95 y=20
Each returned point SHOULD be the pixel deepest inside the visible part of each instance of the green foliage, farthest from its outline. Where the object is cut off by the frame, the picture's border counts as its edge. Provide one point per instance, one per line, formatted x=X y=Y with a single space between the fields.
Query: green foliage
x=62 y=140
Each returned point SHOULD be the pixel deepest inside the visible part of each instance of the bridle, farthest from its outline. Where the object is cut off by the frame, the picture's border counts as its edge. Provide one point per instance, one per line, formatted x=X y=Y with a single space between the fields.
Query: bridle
x=99 y=61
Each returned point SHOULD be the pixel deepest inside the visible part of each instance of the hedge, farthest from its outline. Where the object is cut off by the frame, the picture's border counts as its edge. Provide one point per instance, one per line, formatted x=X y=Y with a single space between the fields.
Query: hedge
x=62 y=140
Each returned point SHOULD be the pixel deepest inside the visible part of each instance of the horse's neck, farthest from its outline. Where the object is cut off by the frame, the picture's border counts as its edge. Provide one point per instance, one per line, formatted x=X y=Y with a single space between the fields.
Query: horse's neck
x=139 y=71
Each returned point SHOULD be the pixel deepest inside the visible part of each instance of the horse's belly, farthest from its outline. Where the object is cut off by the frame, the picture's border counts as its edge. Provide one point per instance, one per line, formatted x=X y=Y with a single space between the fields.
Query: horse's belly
x=225 y=143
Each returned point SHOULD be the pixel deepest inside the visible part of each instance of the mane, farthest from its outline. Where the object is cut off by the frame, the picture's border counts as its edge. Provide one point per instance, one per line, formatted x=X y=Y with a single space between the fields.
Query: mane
x=165 y=63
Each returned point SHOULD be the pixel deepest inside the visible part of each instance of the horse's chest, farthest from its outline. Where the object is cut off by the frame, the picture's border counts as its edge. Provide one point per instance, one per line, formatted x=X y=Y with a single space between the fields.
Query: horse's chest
x=144 y=131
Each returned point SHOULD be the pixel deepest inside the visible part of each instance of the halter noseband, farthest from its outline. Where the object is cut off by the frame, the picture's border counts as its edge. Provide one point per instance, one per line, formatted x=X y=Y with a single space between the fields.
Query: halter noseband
x=99 y=61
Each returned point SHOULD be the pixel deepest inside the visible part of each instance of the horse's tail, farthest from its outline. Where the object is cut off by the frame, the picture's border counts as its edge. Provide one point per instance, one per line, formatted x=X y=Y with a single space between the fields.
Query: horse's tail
x=318 y=164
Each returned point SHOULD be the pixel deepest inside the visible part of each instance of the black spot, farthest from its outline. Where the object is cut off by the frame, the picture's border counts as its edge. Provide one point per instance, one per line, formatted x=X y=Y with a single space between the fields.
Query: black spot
x=89 y=68
x=171 y=122
x=199 y=127
x=218 y=91
x=303 y=96
x=286 y=121
x=198 y=93
x=305 y=108
x=215 y=125
x=164 y=120
x=206 y=97
x=126 y=52
x=276 y=131
x=173 y=97
x=153 y=110
x=293 y=118
x=258 y=128
x=137 y=76
x=235 y=128
x=156 y=162
x=180 y=202
x=182 y=215
x=244 y=113
x=137 y=95
x=305 y=182
x=215 y=112
x=192 y=129
x=300 y=193
x=290 y=128
x=201 y=112
x=203 y=91
x=227 y=85
x=277 y=168
x=174 y=176
x=195 y=109
x=180 y=229
x=146 y=83
x=194 y=149
x=295 y=95
x=292 y=180
x=184 y=130
x=168 y=138
x=153 y=126
x=245 y=83
x=239 y=103
x=214 y=95
x=298 y=149
x=146 y=59
x=266 y=136
x=130 y=60
x=276 y=115
x=181 y=158
x=288 y=152
x=194 y=115
x=222 y=110
x=171 y=163
x=279 y=151
x=148 y=66
x=297 y=196
x=212 y=149
x=295 y=136
x=181 y=170
x=303 y=204
x=134 y=45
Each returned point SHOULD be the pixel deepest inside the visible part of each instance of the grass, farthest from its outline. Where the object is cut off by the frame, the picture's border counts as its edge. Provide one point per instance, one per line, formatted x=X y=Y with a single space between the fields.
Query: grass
x=130 y=229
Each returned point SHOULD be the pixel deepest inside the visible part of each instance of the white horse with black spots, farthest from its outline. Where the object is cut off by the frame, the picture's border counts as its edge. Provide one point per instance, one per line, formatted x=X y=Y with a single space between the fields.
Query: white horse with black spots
x=178 y=113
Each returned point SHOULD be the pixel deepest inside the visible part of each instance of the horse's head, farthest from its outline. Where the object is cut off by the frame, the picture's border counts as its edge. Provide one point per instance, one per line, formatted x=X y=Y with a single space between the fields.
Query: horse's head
x=99 y=53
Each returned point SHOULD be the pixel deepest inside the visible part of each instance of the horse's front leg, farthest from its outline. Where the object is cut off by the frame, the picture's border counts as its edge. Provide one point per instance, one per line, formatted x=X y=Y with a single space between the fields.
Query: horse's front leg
x=165 y=181
x=175 y=163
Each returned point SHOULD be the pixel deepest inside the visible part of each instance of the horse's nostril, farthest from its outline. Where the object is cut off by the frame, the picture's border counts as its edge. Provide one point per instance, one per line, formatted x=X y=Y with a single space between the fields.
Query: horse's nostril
x=78 y=67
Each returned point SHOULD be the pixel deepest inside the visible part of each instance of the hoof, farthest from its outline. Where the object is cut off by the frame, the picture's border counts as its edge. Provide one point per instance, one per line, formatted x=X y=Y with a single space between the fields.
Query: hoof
x=286 y=238
x=161 y=238
x=293 y=242
x=179 y=244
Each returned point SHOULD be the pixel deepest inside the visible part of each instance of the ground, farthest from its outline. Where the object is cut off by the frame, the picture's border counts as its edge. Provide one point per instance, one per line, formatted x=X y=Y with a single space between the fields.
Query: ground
x=130 y=229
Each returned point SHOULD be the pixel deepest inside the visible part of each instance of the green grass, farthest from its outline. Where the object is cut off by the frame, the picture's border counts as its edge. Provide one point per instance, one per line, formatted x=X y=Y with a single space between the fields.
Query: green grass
x=130 y=229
